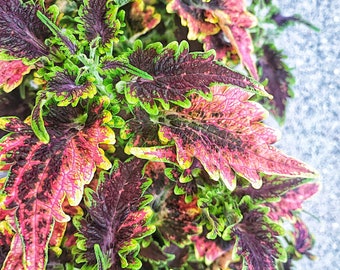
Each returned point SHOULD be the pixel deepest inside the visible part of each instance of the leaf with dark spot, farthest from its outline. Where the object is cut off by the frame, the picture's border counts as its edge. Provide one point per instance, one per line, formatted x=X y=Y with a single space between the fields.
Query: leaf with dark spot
x=42 y=175
x=209 y=18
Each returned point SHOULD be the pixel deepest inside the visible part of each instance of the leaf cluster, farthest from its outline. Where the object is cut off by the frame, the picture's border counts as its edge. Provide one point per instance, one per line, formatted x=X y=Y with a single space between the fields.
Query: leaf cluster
x=137 y=152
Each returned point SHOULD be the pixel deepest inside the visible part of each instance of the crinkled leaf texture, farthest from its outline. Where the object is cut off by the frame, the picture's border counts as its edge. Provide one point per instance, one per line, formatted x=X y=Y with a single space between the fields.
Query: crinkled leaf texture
x=42 y=175
x=12 y=73
x=206 y=18
x=176 y=73
x=117 y=217
x=226 y=136
x=22 y=34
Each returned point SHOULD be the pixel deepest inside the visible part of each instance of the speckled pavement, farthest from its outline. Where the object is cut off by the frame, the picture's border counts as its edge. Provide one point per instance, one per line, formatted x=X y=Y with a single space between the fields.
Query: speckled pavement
x=312 y=128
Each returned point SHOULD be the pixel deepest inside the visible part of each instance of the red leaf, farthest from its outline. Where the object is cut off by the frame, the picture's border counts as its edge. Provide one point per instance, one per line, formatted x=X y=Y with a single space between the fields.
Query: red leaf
x=42 y=175
x=11 y=74
x=225 y=135
x=292 y=201
x=208 y=18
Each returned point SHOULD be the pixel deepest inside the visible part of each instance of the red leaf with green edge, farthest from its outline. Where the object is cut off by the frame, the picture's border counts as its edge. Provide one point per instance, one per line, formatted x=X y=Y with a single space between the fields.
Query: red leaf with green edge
x=291 y=201
x=208 y=18
x=67 y=91
x=176 y=73
x=142 y=18
x=42 y=175
x=12 y=73
x=6 y=235
x=225 y=135
x=257 y=240
x=22 y=34
x=279 y=78
x=117 y=217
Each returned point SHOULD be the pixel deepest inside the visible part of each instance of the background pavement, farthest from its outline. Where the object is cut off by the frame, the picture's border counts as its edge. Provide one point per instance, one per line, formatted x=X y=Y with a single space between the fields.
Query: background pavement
x=311 y=131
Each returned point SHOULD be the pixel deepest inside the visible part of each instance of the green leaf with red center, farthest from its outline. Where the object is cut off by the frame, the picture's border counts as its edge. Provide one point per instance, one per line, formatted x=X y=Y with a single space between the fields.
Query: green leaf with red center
x=42 y=175
x=174 y=74
x=117 y=217
x=208 y=18
x=225 y=135
x=12 y=73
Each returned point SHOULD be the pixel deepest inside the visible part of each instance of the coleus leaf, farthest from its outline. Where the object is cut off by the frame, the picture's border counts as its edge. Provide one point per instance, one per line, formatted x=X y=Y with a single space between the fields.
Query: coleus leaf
x=291 y=201
x=117 y=217
x=11 y=74
x=42 y=175
x=67 y=91
x=257 y=240
x=272 y=188
x=208 y=18
x=22 y=34
x=279 y=78
x=143 y=18
x=176 y=73
x=98 y=18
x=211 y=249
x=225 y=135
x=175 y=218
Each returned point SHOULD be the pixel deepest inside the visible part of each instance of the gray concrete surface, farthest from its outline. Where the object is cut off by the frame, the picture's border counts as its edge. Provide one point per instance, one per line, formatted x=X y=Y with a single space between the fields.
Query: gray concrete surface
x=312 y=128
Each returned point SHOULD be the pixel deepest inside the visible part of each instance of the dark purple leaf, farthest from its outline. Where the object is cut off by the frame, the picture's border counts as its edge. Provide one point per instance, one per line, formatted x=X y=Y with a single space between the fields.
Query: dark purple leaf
x=114 y=218
x=96 y=22
x=22 y=34
x=272 y=187
x=67 y=91
x=279 y=78
x=257 y=242
x=176 y=73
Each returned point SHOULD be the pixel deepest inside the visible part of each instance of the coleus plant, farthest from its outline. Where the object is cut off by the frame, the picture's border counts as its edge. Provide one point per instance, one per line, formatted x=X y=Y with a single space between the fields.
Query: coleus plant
x=139 y=153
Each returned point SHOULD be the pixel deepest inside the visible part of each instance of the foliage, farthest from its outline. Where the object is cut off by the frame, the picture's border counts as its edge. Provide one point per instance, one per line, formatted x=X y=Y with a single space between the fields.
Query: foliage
x=139 y=152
